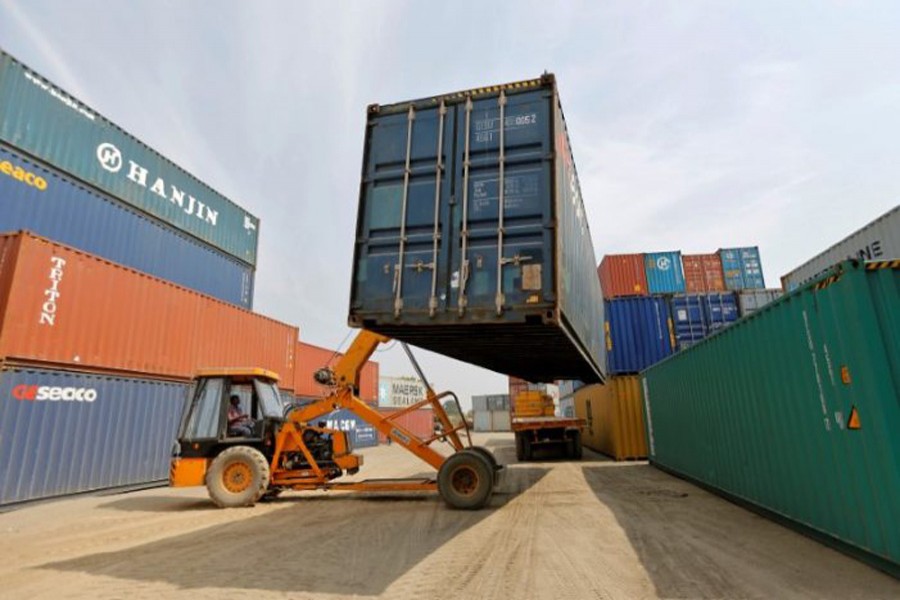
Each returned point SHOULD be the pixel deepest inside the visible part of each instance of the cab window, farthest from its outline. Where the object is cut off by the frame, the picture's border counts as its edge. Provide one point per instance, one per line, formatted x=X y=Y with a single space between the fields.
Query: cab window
x=203 y=422
x=269 y=399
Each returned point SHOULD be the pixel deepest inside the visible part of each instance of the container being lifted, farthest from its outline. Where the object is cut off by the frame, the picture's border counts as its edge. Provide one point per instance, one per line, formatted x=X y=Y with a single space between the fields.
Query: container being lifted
x=472 y=239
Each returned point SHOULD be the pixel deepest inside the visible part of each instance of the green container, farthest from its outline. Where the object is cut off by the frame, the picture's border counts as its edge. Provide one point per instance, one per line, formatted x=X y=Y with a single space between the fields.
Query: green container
x=766 y=411
x=45 y=121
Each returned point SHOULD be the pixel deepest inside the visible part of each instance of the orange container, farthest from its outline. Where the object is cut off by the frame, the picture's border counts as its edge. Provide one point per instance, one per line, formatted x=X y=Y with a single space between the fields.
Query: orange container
x=703 y=273
x=623 y=275
x=419 y=421
x=310 y=358
x=62 y=306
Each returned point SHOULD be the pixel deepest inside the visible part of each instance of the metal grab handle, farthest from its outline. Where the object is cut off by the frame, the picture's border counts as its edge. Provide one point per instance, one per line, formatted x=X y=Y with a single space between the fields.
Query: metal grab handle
x=398 y=297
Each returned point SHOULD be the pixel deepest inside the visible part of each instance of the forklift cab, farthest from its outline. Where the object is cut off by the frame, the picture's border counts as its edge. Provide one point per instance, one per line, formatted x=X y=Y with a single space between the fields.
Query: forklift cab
x=204 y=426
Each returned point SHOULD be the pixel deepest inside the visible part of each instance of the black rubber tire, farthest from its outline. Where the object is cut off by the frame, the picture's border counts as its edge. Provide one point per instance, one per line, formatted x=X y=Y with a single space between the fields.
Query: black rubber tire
x=270 y=494
x=527 y=450
x=238 y=476
x=578 y=451
x=520 y=447
x=482 y=451
x=466 y=481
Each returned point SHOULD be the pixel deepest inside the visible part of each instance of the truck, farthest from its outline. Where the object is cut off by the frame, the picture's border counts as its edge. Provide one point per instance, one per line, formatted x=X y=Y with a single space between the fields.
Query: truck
x=536 y=427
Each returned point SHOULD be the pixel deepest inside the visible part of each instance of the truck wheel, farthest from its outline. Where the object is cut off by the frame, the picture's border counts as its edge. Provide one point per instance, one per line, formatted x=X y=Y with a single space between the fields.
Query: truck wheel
x=482 y=451
x=520 y=447
x=466 y=480
x=238 y=476
x=527 y=450
x=573 y=446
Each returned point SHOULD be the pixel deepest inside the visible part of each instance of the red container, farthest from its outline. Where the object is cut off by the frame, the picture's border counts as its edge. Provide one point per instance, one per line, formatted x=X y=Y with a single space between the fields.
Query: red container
x=623 y=275
x=703 y=273
x=420 y=422
x=310 y=358
x=65 y=307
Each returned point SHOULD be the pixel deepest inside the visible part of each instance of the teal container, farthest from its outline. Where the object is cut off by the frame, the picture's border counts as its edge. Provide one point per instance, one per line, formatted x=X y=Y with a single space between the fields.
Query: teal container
x=41 y=119
x=664 y=272
x=795 y=410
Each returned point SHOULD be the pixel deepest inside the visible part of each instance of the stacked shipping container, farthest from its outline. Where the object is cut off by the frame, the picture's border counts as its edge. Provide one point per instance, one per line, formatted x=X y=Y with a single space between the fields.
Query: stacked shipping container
x=614 y=418
x=687 y=297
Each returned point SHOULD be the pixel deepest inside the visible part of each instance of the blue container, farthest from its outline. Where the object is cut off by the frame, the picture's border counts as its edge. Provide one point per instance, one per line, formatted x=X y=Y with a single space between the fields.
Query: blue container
x=63 y=432
x=638 y=333
x=472 y=239
x=720 y=310
x=50 y=204
x=742 y=268
x=689 y=320
x=664 y=272
x=362 y=434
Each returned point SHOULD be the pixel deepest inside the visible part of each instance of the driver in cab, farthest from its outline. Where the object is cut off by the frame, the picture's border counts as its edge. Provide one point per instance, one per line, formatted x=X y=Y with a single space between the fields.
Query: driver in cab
x=239 y=423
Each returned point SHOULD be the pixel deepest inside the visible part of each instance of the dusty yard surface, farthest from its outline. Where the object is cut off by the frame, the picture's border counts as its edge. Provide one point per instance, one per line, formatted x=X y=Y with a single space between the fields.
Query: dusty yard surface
x=568 y=530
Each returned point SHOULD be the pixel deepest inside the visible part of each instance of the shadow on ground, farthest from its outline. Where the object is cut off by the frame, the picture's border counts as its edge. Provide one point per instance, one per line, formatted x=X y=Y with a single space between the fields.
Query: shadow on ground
x=693 y=544
x=323 y=543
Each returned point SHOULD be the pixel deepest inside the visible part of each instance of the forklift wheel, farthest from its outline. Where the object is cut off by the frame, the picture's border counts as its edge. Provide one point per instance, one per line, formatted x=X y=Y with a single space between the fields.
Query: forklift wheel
x=466 y=480
x=238 y=476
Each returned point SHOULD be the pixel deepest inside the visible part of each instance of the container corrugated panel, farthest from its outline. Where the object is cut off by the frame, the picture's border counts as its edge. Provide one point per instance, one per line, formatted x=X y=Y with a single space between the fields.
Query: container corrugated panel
x=639 y=333
x=501 y=420
x=689 y=320
x=472 y=239
x=702 y=273
x=361 y=433
x=482 y=420
x=65 y=432
x=751 y=301
x=720 y=310
x=45 y=121
x=419 y=422
x=309 y=358
x=43 y=200
x=62 y=306
x=879 y=240
x=664 y=274
x=567 y=387
x=795 y=410
x=623 y=275
x=742 y=268
x=614 y=418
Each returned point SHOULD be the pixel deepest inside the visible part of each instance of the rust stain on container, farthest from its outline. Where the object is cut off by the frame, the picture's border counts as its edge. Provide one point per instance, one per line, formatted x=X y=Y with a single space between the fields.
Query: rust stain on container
x=703 y=273
x=65 y=307
x=310 y=358
x=614 y=417
x=623 y=275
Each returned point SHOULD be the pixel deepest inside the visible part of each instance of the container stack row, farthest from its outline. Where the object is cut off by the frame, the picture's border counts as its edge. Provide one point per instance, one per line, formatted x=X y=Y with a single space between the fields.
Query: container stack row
x=492 y=412
x=660 y=302
x=120 y=275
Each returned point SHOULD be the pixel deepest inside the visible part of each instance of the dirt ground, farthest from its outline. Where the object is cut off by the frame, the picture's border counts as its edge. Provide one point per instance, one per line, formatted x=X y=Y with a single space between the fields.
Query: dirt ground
x=568 y=530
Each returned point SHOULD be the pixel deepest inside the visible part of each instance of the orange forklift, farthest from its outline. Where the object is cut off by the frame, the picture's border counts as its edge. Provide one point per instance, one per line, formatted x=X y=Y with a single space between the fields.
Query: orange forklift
x=289 y=449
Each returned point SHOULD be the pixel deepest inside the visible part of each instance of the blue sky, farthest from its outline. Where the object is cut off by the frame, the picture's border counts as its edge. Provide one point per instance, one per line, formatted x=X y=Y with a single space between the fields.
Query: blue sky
x=694 y=125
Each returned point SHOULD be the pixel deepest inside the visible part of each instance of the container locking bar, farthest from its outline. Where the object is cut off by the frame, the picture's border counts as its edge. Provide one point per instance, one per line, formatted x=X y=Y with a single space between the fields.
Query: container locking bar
x=398 y=277
x=464 y=231
x=436 y=236
x=499 y=301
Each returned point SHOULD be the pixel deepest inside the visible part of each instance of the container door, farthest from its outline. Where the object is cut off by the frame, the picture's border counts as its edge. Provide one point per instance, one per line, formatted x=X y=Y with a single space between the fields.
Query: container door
x=500 y=420
x=689 y=320
x=482 y=420
x=406 y=198
x=502 y=242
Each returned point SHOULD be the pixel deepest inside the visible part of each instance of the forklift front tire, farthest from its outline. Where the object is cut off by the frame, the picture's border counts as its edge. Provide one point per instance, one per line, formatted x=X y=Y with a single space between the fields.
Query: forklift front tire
x=238 y=476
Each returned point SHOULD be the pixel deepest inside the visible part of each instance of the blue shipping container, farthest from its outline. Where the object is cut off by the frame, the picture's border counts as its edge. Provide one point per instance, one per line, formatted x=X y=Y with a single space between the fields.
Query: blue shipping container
x=638 y=333
x=63 y=432
x=720 y=310
x=362 y=434
x=689 y=320
x=664 y=272
x=50 y=204
x=742 y=268
x=472 y=240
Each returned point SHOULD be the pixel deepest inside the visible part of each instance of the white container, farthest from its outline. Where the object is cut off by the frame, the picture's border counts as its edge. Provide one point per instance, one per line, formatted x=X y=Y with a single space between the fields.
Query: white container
x=753 y=300
x=879 y=240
